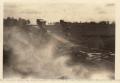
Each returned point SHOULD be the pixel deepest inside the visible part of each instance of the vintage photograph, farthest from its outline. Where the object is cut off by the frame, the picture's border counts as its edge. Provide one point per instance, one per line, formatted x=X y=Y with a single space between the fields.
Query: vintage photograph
x=66 y=39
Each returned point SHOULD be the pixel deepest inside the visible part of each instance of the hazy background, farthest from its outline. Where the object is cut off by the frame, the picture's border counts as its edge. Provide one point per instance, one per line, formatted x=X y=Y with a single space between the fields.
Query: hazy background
x=54 y=10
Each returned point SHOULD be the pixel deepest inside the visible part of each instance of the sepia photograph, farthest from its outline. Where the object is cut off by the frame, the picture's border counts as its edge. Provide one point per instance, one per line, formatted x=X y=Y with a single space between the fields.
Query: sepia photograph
x=66 y=39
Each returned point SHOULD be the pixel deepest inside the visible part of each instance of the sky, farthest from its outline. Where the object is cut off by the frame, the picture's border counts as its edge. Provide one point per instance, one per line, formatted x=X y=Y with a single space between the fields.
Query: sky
x=54 y=10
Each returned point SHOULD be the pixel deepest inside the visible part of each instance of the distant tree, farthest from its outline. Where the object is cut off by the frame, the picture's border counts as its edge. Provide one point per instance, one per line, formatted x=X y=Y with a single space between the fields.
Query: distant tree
x=92 y=22
x=103 y=22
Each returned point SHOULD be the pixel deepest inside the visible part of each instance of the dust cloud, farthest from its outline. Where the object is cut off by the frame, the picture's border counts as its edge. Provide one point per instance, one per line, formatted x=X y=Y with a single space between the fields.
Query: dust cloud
x=29 y=54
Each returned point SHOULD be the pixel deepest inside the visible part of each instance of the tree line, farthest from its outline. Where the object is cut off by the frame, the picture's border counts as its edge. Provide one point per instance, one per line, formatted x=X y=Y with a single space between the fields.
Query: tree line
x=11 y=21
